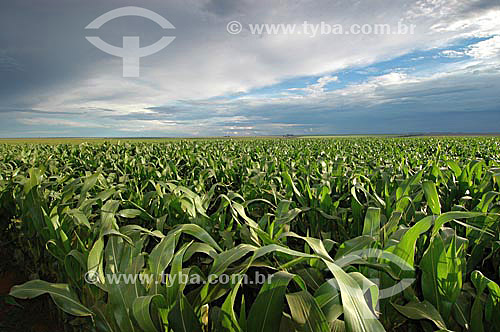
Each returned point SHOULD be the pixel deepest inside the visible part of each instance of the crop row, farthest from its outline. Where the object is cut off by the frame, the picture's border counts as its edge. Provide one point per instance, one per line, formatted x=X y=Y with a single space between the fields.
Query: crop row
x=358 y=234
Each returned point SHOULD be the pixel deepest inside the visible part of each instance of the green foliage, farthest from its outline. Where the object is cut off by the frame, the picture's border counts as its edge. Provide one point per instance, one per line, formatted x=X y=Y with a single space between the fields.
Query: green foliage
x=312 y=215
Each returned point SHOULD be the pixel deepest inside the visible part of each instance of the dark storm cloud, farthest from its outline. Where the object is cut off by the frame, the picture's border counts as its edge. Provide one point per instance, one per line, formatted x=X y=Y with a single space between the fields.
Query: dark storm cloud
x=223 y=7
x=53 y=79
x=43 y=45
x=479 y=6
x=32 y=111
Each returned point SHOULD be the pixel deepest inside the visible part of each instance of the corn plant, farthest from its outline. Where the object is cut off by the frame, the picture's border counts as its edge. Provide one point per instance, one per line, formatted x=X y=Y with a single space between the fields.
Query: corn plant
x=351 y=234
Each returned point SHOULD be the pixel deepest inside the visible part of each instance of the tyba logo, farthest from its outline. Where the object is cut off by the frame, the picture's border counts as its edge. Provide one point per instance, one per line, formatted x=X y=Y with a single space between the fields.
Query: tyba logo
x=130 y=52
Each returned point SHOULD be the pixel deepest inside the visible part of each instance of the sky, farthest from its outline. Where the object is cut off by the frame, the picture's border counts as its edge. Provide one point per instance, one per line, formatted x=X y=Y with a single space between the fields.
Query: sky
x=220 y=78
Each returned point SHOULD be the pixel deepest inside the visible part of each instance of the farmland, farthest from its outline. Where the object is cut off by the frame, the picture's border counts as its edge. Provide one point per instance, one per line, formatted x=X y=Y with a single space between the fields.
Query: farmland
x=352 y=234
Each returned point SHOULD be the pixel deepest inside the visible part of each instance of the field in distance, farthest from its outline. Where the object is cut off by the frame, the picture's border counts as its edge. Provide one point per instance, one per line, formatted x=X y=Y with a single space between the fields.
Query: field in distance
x=79 y=140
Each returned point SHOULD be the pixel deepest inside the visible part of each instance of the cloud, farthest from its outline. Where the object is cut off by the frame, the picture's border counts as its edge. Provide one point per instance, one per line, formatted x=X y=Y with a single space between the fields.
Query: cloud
x=478 y=18
x=391 y=78
x=8 y=63
x=37 y=121
x=205 y=81
x=452 y=54
x=486 y=49
x=317 y=88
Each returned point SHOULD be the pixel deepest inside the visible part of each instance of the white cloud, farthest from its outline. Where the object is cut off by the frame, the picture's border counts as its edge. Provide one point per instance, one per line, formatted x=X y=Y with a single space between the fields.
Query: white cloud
x=391 y=78
x=317 y=88
x=452 y=54
x=486 y=49
x=473 y=24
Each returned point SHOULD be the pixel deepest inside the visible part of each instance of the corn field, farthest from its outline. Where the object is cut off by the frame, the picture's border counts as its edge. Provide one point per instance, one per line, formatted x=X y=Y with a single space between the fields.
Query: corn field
x=352 y=234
